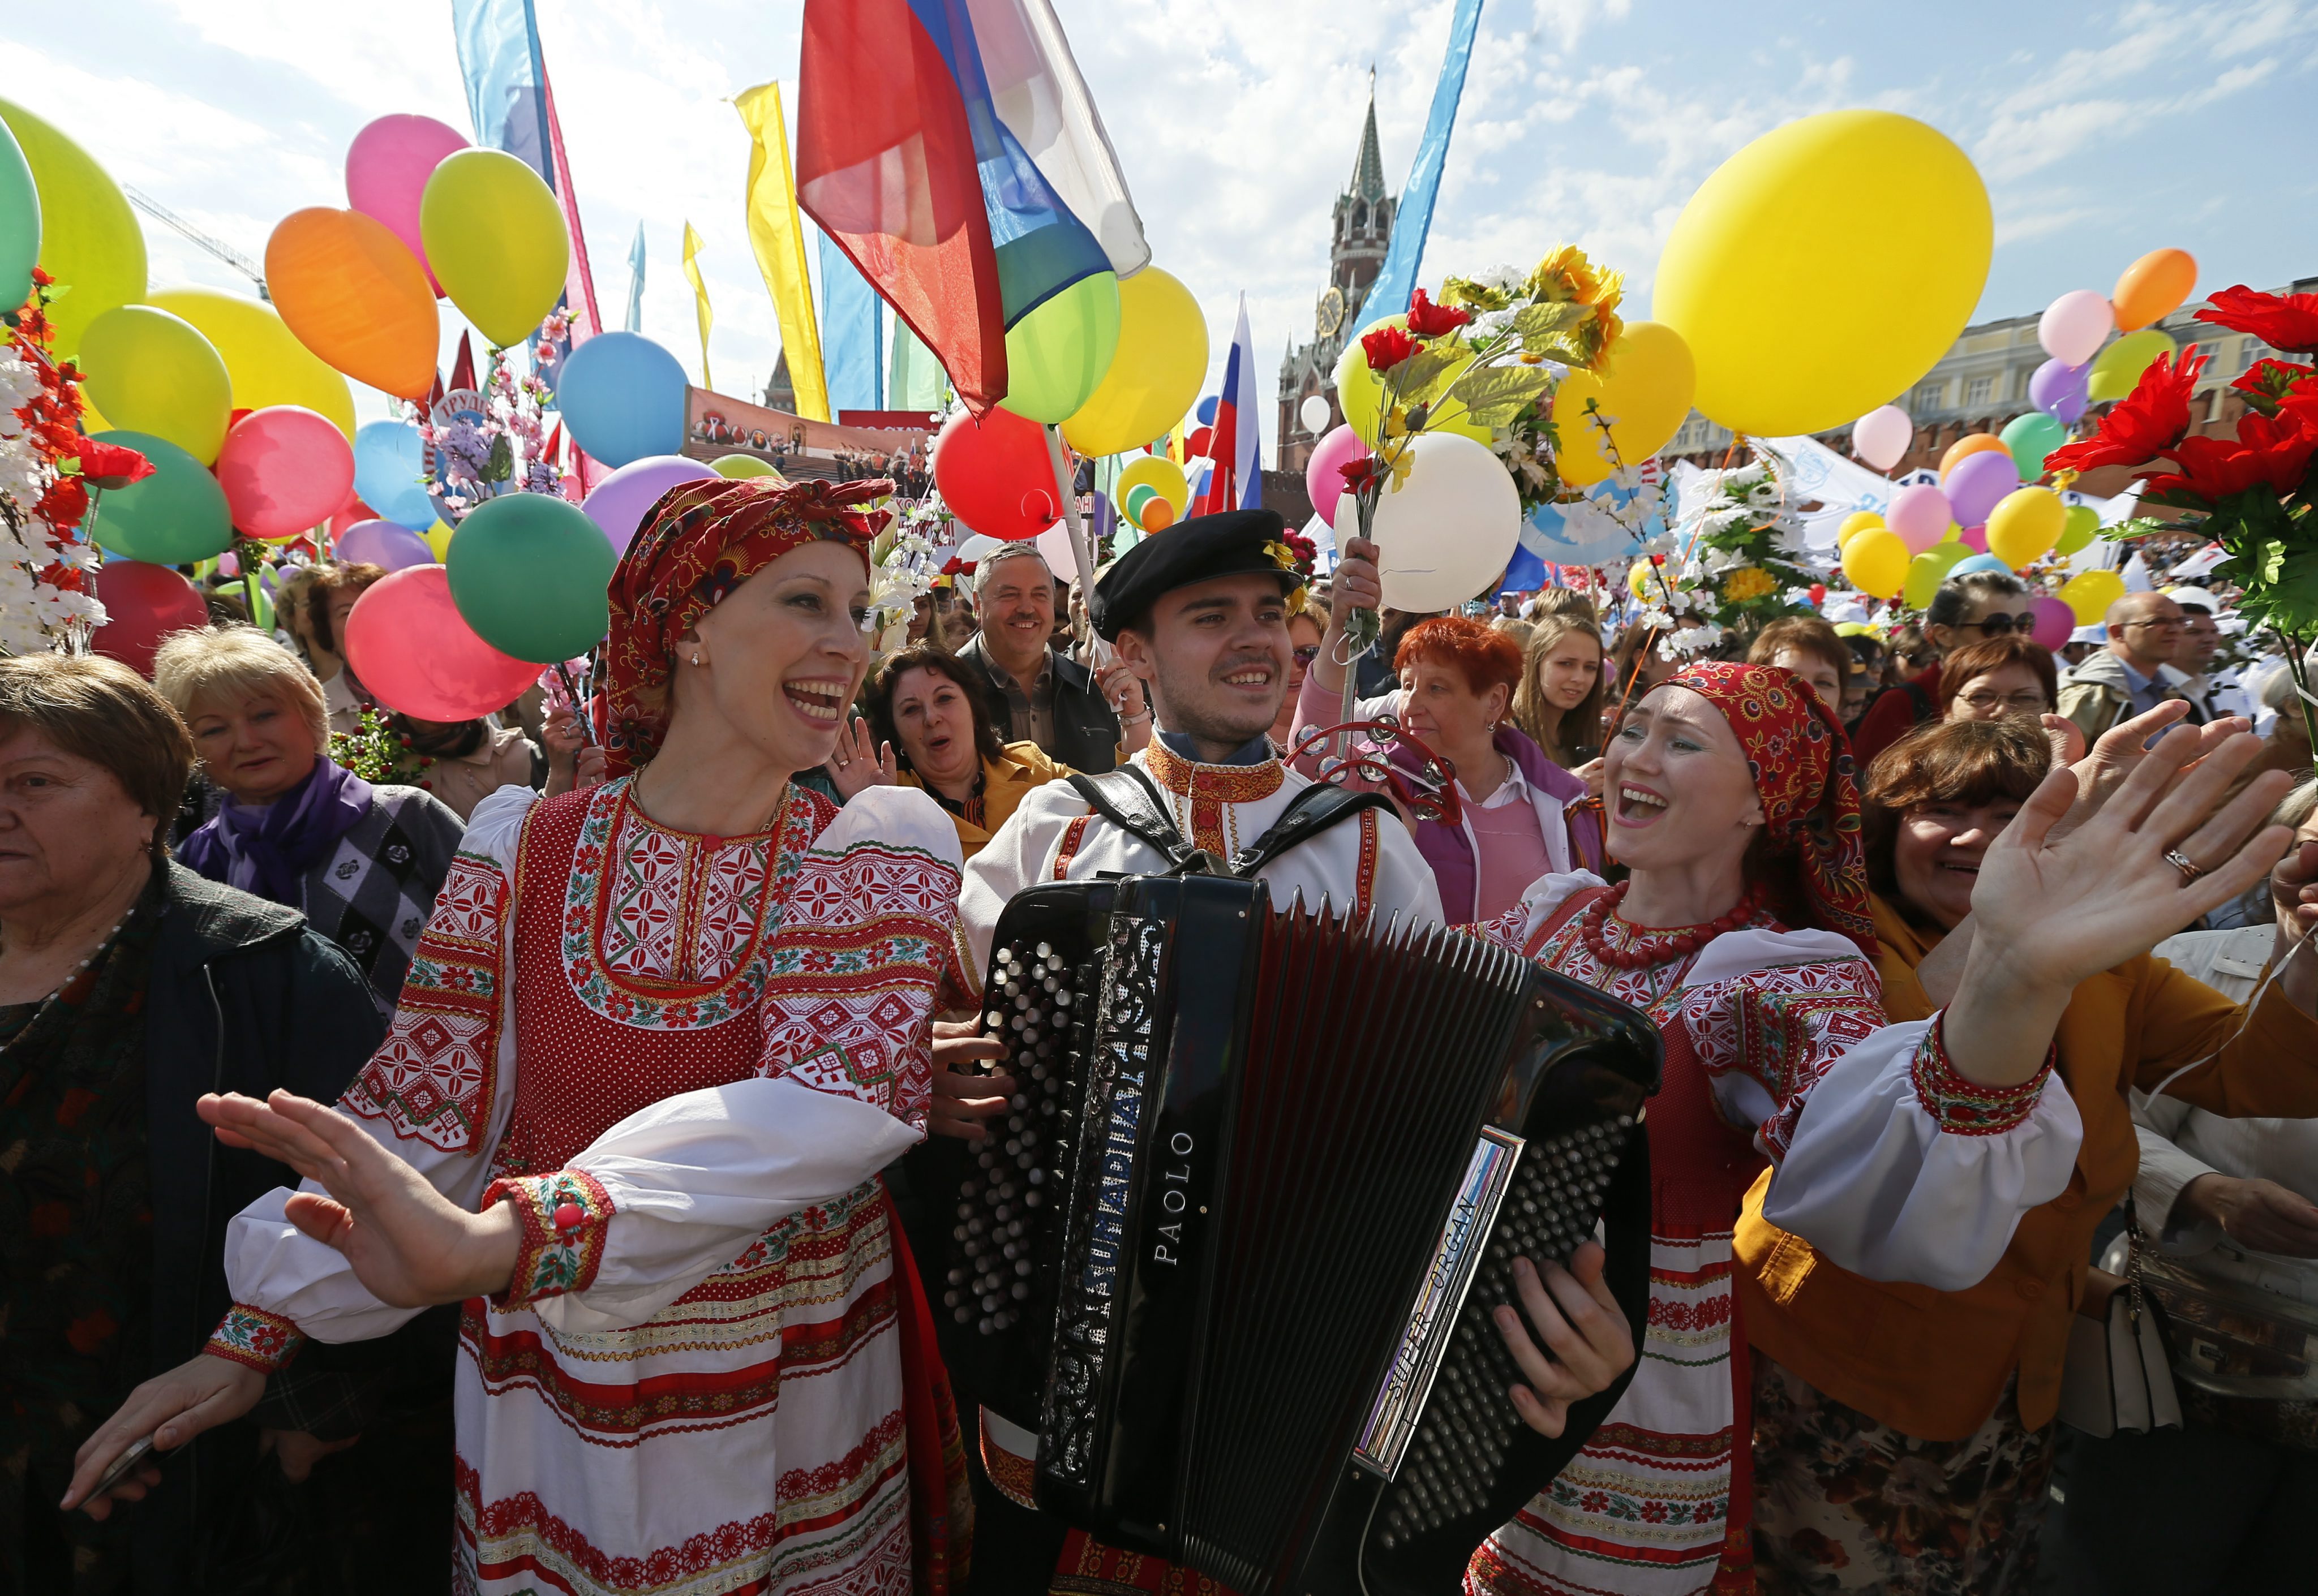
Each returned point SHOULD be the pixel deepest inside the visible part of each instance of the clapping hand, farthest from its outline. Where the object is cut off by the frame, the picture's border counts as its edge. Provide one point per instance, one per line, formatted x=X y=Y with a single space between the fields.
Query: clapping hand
x=1583 y=1329
x=860 y=760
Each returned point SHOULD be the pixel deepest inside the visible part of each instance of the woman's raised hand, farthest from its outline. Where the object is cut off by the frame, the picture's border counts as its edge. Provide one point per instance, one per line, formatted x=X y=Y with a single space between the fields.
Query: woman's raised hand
x=860 y=761
x=410 y=1246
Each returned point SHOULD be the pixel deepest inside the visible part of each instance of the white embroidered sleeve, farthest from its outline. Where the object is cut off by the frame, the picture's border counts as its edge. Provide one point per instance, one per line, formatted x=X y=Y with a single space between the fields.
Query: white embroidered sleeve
x=1020 y=854
x=1514 y=928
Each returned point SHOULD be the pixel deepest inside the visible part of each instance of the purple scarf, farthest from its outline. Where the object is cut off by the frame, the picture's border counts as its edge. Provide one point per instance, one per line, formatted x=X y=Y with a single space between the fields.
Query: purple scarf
x=267 y=851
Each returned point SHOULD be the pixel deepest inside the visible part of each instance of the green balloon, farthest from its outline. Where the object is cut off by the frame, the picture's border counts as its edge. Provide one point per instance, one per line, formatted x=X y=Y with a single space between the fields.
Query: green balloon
x=2117 y=368
x=175 y=515
x=740 y=468
x=20 y=222
x=2031 y=437
x=528 y=572
x=1928 y=570
x=1057 y=354
x=2078 y=531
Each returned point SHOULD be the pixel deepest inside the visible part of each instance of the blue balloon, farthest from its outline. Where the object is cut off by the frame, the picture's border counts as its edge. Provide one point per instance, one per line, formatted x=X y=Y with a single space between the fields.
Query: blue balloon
x=390 y=462
x=623 y=398
x=1207 y=411
x=1978 y=562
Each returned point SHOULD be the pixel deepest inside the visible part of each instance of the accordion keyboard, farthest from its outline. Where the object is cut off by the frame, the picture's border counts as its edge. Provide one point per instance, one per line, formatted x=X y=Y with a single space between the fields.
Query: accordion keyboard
x=1468 y=1426
x=1035 y=1001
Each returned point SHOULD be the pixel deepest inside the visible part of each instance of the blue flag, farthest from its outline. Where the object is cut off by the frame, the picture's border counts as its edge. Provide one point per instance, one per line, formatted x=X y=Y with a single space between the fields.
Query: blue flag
x=1396 y=278
x=636 y=282
x=498 y=54
x=852 y=335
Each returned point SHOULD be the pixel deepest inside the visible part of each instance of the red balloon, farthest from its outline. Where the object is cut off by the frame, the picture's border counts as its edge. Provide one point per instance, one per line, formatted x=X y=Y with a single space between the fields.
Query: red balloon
x=285 y=470
x=409 y=645
x=995 y=475
x=1201 y=439
x=143 y=604
x=351 y=512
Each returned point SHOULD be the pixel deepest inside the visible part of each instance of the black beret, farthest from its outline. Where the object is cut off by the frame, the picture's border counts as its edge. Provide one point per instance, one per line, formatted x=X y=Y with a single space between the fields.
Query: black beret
x=1200 y=548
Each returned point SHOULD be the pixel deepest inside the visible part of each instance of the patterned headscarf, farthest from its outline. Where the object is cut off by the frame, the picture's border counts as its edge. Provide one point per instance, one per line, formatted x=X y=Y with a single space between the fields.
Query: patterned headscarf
x=1806 y=780
x=699 y=541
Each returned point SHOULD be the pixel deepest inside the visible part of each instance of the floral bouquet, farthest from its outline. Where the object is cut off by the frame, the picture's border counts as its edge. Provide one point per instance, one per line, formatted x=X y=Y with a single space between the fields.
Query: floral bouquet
x=1747 y=555
x=479 y=445
x=50 y=476
x=2255 y=494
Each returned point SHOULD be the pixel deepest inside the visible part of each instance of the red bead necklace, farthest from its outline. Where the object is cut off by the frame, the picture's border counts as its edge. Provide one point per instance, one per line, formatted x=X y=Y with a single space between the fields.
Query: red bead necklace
x=1642 y=948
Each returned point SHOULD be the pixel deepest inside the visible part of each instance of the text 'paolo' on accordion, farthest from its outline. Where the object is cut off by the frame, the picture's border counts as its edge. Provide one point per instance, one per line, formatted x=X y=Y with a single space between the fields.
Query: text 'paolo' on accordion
x=1227 y=1270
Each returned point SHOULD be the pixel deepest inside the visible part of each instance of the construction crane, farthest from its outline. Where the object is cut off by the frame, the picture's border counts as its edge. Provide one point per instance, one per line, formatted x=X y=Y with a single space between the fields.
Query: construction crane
x=225 y=252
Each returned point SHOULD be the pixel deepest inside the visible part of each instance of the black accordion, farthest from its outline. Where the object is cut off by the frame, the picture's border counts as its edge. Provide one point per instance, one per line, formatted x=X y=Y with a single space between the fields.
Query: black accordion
x=1232 y=1255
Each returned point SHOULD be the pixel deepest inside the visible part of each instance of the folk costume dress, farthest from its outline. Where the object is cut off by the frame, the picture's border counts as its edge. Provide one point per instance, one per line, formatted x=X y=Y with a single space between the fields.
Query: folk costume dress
x=683 y=1059
x=1760 y=1021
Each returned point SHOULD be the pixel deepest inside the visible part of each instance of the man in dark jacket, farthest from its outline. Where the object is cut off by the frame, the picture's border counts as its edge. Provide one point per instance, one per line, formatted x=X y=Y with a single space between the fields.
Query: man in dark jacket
x=1036 y=693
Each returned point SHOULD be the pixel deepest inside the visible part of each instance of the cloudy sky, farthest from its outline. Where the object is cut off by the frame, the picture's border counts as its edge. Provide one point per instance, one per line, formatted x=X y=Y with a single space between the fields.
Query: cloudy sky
x=2103 y=130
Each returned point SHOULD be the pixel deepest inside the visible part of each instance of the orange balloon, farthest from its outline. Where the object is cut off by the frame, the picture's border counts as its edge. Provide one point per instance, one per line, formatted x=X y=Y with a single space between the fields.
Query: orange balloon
x=2152 y=285
x=1969 y=445
x=354 y=294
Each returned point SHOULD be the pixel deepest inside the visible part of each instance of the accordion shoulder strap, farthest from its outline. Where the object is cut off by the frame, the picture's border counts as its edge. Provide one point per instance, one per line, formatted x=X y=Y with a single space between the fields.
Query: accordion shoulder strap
x=1313 y=810
x=1126 y=799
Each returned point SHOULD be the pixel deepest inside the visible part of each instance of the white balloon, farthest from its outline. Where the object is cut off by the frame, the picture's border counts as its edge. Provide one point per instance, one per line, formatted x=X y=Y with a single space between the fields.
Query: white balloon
x=2075 y=326
x=1314 y=413
x=1450 y=530
x=1054 y=544
x=1881 y=436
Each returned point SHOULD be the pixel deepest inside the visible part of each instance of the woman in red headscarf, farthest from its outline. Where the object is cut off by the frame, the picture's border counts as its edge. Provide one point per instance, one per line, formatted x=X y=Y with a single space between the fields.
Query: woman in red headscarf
x=1743 y=927
x=654 y=1046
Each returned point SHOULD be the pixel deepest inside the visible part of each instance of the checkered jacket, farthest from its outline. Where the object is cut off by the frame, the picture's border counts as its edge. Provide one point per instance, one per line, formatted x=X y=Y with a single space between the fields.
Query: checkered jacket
x=374 y=894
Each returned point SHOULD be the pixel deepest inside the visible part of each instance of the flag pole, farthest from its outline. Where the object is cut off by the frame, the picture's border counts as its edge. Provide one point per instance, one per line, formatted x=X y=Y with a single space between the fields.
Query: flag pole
x=1081 y=551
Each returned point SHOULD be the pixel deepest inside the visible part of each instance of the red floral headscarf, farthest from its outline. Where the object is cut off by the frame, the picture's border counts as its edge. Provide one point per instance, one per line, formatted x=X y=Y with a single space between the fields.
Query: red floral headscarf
x=1806 y=780
x=700 y=542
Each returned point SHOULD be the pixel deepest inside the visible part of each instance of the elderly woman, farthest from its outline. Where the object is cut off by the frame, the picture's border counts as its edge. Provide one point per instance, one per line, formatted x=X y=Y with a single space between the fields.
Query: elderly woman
x=1907 y=1152
x=1811 y=649
x=1558 y=701
x=362 y=862
x=660 y=1037
x=1941 y=1385
x=129 y=986
x=1521 y=815
x=1999 y=677
x=929 y=726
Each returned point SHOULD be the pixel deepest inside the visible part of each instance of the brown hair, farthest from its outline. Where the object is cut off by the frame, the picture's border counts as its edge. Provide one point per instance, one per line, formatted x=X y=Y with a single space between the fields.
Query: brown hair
x=1962 y=762
x=877 y=697
x=1562 y=601
x=102 y=711
x=1484 y=656
x=1531 y=711
x=328 y=579
x=1993 y=654
x=1805 y=634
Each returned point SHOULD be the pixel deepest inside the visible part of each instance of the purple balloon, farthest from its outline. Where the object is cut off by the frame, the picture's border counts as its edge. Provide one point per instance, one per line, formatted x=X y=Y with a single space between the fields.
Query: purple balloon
x=2059 y=390
x=1978 y=483
x=619 y=501
x=382 y=542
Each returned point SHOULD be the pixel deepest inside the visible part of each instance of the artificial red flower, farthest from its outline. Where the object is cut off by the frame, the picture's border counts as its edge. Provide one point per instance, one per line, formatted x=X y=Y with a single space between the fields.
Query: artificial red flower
x=2299 y=404
x=1387 y=347
x=1366 y=472
x=2269 y=452
x=2142 y=424
x=2287 y=323
x=110 y=465
x=1304 y=550
x=2266 y=381
x=1429 y=320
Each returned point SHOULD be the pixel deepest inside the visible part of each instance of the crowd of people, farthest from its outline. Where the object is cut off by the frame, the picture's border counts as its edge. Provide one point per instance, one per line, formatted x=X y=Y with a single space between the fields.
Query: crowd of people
x=508 y=1169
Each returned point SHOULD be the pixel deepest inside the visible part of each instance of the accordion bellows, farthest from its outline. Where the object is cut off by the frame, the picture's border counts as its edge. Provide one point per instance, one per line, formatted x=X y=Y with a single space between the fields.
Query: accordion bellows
x=1232 y=1255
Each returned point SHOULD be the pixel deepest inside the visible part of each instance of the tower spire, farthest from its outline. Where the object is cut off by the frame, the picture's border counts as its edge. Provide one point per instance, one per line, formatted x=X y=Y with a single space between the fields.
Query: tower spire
x=1368 y=174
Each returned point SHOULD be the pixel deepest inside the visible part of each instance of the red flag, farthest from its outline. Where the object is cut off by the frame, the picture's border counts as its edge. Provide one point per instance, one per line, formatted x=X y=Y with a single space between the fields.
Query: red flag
x=462 y=370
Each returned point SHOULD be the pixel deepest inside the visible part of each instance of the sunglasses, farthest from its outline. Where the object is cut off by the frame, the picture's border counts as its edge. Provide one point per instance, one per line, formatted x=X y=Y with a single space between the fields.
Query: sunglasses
x=1429 y=791
x=1306 y=653
x=1996 y=625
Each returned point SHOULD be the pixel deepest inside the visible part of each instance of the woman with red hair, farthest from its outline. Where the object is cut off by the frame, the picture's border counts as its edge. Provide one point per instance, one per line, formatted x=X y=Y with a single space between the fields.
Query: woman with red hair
x=1520 y=814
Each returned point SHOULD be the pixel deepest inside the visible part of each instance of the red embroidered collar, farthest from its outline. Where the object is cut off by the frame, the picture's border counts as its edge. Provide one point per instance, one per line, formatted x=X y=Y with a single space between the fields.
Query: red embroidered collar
x=1220 y=783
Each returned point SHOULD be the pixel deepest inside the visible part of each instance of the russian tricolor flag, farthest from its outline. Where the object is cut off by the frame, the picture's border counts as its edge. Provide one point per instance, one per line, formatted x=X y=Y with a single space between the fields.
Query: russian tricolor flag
x=1236 y=482
x=950 y=148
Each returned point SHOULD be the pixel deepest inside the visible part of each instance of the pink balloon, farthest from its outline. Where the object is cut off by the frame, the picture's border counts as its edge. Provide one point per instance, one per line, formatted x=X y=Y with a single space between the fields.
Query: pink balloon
x=410 y=646
x=619 y=502
x=387 y=168
x=1324 y=473
x=386 y=543
x=1881 y=436
x=1979 y=483
x=143 y=604
x=2074 y=326
x=1974 y=537
x=2055 y=622
x=284 y=469
x=1919 y=514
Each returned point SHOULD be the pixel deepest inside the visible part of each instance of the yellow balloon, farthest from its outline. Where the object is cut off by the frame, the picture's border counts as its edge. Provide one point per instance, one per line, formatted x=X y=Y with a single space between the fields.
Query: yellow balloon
x=2025 y=524
x=1162 y=474
x=2091 y=593
x=1360 y=391
x=1155 y=375
x=741 y=467
x=268 y=366
x=1855 y=522
x=439 y=538
x=494 y=241
x=1928 y=570
x=1876 y=562
x=1638 y=581
x=1648 y=392
x=2117 y=369
x=90 y=242
x=154 y=373
x=1796 y=329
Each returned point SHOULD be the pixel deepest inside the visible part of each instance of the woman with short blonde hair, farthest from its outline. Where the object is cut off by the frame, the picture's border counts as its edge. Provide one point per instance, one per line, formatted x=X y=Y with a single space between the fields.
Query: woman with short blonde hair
x=362 y=862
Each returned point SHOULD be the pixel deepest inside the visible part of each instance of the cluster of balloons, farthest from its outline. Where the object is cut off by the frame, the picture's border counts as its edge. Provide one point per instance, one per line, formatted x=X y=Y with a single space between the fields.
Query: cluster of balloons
x=274 y=474
x=1916 y=544
x=2075 y=326
x=1153 y=493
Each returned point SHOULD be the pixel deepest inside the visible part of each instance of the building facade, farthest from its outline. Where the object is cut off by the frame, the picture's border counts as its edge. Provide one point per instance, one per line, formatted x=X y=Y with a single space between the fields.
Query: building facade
x=1363 y=220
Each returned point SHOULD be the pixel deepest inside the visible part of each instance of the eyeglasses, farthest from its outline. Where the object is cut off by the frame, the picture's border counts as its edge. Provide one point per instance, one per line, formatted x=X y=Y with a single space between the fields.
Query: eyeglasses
x=1997 y=625
x=2173 y=625
x=2011 y=703
x=1306 y=653
x=1429 y=791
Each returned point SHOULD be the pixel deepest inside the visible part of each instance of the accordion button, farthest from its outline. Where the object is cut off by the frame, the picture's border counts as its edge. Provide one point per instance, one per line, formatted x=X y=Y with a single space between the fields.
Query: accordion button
x=1024 y=1269
x=1021 y=1291
x=1038 y=1176
x=1031 y=1198
x=955 y=1276
x=1046 y=950
x=949 y=1299
x=987 y=1326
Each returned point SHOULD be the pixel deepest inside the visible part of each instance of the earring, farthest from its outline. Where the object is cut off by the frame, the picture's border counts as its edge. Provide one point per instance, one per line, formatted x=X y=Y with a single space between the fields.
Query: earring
x=695 y=656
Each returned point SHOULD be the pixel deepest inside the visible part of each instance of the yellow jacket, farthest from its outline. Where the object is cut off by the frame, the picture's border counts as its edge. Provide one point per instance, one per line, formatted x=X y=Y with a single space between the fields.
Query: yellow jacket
x=1006 y=781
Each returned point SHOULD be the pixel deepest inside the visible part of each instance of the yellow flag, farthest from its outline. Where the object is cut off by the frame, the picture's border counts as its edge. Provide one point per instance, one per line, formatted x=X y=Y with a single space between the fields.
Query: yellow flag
x=778 y=233
x=699 y=299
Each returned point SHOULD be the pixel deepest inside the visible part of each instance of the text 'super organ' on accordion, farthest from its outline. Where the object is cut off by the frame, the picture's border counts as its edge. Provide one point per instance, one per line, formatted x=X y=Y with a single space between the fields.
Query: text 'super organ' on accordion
x=1232 y=1254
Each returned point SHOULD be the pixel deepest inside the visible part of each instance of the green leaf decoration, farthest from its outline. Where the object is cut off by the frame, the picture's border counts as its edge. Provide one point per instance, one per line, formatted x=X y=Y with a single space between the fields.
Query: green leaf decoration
x=1494 y=394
